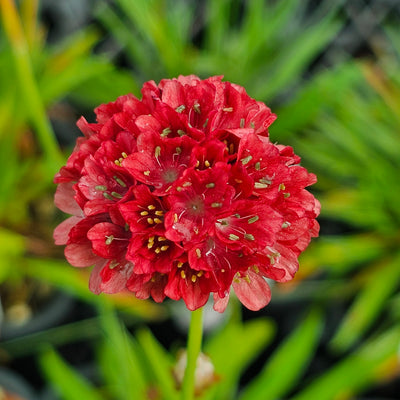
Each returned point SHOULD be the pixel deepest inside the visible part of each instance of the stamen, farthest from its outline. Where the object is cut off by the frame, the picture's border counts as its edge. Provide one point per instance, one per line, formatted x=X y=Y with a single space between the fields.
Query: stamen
x=178 y=150
x=165 y=132
x=161 y=238
x=233 y=237
x=210 y=185
x=200 y=274
x=116 y=195
x=113 y=264
x=150 y=245
x=187 y=184
x=159 y=212
x=120 y=181
x=282 y=186
x=151 y=207
x=157 y=220
x=246 y=278
x=157 y=250
x=255 y=268
x=164 y=248
x=117 y=162
x=242 y=121
x=109 y=239
x=196 y=107
x=286 y=224
x=198 y=253
x=175 y=217
x=181 y=132
x=101 y=187
x=180 y=264
x=194 y=278
x=286 y=195
x=216 y=205
x=246 y=160
x=249 y=236
x=257 y=165
x=147 y=173
x=107 y=196
x=227 y=109
x=253 y=219
x=252 y=125
x=183 y=275
x=123 y=154
x=205 y=123
x=207 y=163
x=180 y=108
x=144 y=213
x=259 y=185
x=157 y=151
x=150 y=221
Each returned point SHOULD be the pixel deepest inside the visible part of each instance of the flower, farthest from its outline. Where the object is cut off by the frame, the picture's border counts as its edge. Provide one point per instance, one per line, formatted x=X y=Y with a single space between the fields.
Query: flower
x=181 y=194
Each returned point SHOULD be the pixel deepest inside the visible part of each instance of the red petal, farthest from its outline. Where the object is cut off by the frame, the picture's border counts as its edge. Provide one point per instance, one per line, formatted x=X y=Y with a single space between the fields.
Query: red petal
x=253 y=291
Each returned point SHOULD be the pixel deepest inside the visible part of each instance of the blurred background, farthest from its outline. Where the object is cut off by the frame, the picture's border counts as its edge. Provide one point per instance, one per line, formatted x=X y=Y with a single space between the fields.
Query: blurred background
x=330 y=71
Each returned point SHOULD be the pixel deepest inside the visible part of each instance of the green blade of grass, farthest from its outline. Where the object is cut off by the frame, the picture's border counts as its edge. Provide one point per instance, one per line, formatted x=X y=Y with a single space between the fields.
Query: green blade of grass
x=67 y=382
x=356 y=372
x=287 y=364
x=381 y=282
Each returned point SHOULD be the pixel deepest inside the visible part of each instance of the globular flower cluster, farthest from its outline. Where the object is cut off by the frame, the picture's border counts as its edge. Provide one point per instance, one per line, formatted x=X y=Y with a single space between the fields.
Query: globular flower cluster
x=182 y=194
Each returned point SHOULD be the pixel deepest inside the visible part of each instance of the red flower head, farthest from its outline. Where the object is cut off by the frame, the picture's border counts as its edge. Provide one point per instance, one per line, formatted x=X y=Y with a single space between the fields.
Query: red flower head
x=182 y=194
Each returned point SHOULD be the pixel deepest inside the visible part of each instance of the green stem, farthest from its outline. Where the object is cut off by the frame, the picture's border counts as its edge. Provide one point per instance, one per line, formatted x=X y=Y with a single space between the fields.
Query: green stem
x=193 y=351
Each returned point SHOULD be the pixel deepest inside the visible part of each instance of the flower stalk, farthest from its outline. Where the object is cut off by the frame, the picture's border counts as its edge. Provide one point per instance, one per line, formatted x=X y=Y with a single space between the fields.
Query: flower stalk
x=193 y=351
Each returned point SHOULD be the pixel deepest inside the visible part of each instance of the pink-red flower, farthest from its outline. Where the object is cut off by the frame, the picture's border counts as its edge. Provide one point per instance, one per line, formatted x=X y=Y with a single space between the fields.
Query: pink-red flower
x=181 y=194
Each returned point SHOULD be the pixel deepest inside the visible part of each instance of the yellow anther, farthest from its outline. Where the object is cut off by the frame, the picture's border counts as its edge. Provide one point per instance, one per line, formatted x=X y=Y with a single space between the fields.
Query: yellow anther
x=159 y=213
x=180 y=264
x=200 y=274
x=246 y=278
x=249 y=236
x=242 y=122
x=183 y=275
x=227 y=109
x=123 y=154
x=233 y=237
x=175 y=217
x=157 y=151
x=207 y=163
x=255 y=268
x=157 y=220
x=193 y=278
x=196 y=107
x=282 y=186
x=161 y=238
x=157 y=250
x=210 y=185
x=150 y=245
x=117 y=162
x=151 y=239
x=151 y=207
x=144 y=213
x=150 y=221
x=198 y=253
x=257 y=165
x=164 y=248
x=109 y=239
x=147 y=173
x=253 y=219
x=216 y=205
x=259 y=185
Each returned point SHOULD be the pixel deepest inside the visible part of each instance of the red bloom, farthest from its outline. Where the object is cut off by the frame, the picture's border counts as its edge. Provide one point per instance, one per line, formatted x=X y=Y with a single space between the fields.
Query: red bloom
x=181 y=194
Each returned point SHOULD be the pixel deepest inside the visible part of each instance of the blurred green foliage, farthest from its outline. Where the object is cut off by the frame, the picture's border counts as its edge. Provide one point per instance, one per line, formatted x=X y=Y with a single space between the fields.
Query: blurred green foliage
x=344 y=121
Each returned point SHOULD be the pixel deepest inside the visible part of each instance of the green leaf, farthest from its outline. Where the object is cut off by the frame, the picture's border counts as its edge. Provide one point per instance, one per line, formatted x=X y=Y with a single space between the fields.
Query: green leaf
x=356 y=372
x=291 y=357
x=120 y=359
x=67 y=382
x=233 y=348
x=160 y=363
x=380 y=282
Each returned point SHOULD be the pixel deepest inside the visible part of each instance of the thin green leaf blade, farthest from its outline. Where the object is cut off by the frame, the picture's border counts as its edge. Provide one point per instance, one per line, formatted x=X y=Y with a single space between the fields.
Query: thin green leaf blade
x=292 y=356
